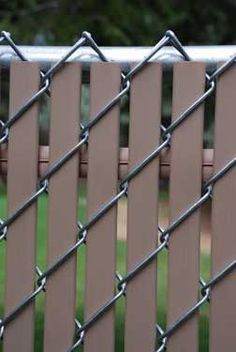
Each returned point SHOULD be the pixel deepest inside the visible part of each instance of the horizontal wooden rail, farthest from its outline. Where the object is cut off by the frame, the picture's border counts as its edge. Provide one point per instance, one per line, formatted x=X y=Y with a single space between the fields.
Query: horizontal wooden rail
x=207 y=165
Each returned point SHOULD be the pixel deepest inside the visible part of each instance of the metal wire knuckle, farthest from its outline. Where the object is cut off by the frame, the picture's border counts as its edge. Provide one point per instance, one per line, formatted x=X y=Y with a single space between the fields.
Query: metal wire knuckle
x=3 y=230
x=1 y=329
x=162 y=340
x=41 y=282
x=121 y=285
x=4 y=132
x=83 y=233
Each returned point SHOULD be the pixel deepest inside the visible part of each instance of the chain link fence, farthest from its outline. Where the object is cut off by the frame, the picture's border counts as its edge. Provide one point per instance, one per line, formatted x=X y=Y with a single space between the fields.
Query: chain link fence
x=169 y=39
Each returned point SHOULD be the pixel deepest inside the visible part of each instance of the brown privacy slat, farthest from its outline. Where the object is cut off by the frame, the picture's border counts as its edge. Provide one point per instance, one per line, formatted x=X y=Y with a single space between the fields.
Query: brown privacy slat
x=22 y=181
x=222 y=306
x=61 y=285
x=185 y=189
x=102 y=185
x=145 y=112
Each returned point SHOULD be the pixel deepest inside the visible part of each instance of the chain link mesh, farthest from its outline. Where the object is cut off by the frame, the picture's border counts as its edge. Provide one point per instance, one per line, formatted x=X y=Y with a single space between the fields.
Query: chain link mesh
x=166 y=135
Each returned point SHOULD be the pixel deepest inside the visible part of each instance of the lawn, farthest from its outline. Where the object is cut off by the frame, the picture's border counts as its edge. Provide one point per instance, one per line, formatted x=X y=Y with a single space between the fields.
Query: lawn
x=121 y=252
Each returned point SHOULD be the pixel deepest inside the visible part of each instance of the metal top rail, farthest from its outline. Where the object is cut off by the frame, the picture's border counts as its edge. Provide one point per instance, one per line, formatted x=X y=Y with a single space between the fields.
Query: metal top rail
x=48 y=55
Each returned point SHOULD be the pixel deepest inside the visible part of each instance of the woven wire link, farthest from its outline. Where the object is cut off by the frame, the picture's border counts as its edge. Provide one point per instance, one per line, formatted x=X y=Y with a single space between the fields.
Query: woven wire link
x=166 y=133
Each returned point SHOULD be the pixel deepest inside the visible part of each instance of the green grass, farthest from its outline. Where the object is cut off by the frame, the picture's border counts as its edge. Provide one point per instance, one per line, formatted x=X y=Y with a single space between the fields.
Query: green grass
x=121 y=253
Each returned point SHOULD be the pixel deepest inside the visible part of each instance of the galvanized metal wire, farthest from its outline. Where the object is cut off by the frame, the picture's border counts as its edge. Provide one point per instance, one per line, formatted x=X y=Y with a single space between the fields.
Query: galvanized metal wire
x=169 y=39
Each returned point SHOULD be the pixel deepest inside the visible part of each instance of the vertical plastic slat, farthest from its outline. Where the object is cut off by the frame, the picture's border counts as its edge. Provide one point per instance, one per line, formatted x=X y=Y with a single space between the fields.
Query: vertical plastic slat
x=185 y=189
x=22 y=181
x=142 y=232
x=223 y=309
x=102 y=185
x=61 y=285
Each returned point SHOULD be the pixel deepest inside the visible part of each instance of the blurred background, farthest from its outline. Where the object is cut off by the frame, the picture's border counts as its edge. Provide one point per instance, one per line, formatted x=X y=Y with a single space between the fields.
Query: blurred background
x=119 y=22
x=116 y=23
